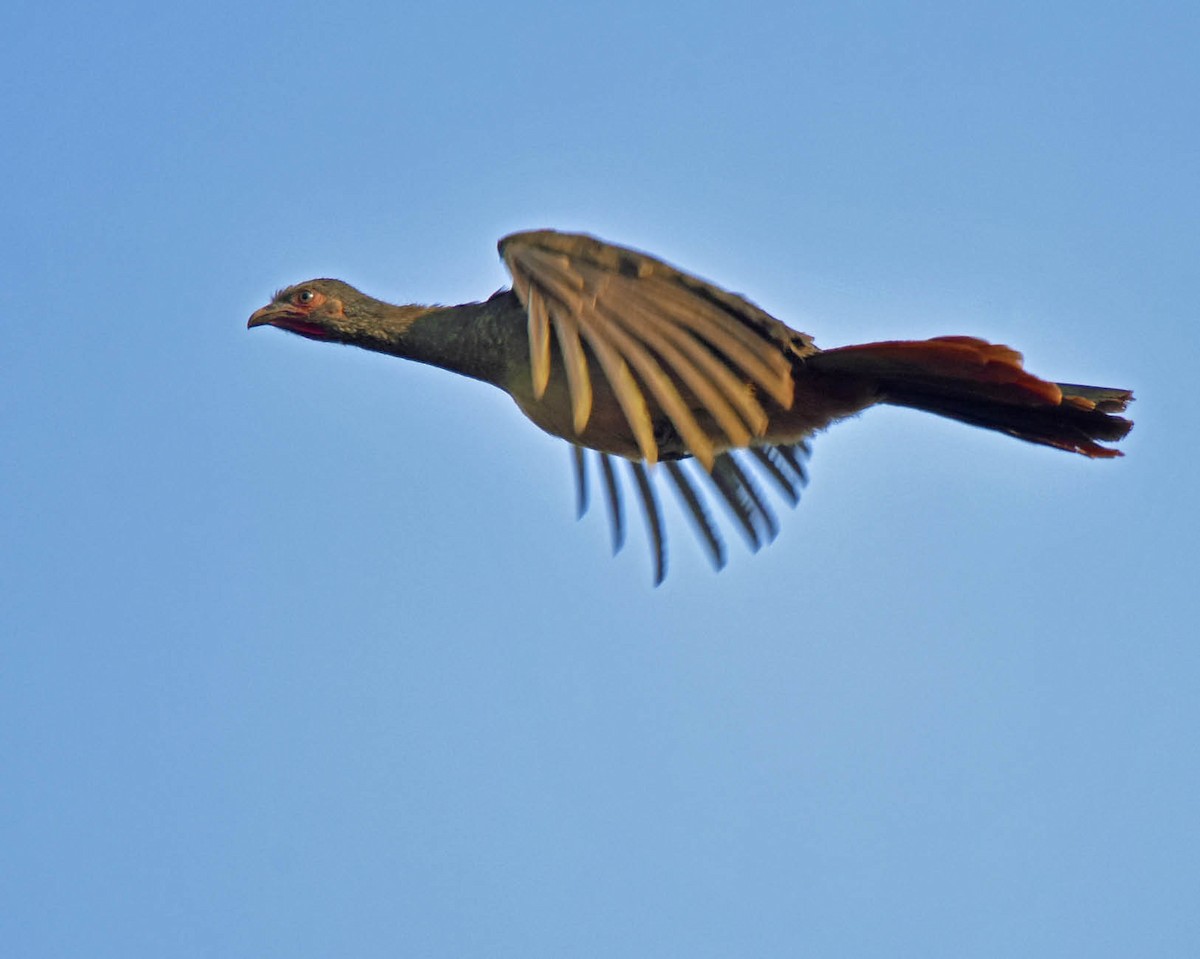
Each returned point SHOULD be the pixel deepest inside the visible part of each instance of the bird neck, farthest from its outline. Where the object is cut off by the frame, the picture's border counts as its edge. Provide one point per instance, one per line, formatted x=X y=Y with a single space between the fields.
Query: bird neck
x=479 y=340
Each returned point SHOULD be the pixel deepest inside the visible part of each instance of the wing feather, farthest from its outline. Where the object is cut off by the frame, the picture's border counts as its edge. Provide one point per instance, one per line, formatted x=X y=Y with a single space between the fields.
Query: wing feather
x=629 y=395
x=578 y=458
x=785 y=483
x=653 y=519
x=616 y=514
x=770 y=368
x=579 y=382
x=744 y=501
x=703 y=523
x=733 y=484
x=539 y=341
x=657 y=335
x=662 y=388
x=711 y=382
x=795 y=455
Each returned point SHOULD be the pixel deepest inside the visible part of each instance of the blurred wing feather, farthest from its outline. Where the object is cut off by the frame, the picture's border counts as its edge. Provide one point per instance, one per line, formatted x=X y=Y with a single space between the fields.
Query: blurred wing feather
x=654 y=526
x=578 y=458
x=734 y=485
x=612 y=492
x=703 y=523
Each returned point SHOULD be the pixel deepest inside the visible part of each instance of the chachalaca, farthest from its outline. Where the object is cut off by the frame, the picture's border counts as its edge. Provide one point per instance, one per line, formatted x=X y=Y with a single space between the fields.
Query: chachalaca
x=617 y=352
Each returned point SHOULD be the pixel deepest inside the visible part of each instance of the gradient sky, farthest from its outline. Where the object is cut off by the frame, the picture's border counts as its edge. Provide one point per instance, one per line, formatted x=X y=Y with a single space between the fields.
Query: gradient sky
x=302 y=652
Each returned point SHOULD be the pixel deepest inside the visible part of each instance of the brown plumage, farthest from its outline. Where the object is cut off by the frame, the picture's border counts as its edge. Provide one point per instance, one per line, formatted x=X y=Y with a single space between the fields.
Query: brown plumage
x=615 y=351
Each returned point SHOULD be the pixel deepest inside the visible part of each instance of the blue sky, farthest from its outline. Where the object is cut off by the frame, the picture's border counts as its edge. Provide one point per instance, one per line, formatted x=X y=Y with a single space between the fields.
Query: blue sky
x=303 y=653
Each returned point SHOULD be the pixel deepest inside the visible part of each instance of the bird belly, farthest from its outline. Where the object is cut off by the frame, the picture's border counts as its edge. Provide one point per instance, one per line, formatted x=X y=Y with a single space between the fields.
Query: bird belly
x=819 y=400
x=607 y=429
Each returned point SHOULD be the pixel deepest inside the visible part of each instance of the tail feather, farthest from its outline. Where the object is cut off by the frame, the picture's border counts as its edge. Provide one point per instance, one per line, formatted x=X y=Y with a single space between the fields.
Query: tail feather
x=986 y=385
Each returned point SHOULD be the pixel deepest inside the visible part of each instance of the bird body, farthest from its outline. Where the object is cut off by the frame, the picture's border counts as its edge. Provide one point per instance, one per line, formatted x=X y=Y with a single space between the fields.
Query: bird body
x=616 y=351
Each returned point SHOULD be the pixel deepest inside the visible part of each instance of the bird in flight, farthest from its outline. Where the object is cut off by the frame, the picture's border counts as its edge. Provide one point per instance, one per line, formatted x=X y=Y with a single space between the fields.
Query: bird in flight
x=619 y=353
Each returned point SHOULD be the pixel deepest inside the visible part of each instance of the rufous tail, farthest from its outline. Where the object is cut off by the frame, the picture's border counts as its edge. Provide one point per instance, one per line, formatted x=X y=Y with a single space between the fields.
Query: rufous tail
x=985 y=385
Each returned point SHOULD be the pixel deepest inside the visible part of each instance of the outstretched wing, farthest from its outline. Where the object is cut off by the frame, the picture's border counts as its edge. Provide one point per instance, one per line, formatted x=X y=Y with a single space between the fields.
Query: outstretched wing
x=660 y=337
x=729 y=478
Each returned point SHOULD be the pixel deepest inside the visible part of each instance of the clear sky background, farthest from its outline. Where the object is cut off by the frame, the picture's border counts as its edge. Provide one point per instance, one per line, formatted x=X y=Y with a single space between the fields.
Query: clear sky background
x=302 y=652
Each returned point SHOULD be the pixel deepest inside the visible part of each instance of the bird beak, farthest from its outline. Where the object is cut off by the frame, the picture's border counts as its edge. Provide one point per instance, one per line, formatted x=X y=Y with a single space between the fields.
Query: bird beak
x=264 y=317
x=284 y=317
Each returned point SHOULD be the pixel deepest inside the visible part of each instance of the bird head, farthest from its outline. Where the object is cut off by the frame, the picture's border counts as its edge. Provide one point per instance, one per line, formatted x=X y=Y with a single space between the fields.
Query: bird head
x=318 y=309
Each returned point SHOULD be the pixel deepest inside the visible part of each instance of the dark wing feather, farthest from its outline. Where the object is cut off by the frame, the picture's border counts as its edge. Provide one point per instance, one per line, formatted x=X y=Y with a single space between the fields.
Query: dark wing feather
x=654 y=524
x=578 y=454
x=694 y=503
x=733 y=481
x=616 y=513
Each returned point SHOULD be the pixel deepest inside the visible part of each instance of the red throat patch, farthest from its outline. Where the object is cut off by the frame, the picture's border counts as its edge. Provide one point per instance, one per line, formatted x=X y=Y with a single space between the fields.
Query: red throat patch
x=292 y=325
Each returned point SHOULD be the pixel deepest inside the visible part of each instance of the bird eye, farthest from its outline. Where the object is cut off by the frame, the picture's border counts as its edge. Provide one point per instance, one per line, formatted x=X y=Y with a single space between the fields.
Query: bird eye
x=305 y=296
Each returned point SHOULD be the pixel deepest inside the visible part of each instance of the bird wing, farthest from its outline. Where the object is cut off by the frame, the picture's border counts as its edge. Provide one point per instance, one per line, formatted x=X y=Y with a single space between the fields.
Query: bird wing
x=729 y=479
x=657 y=335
